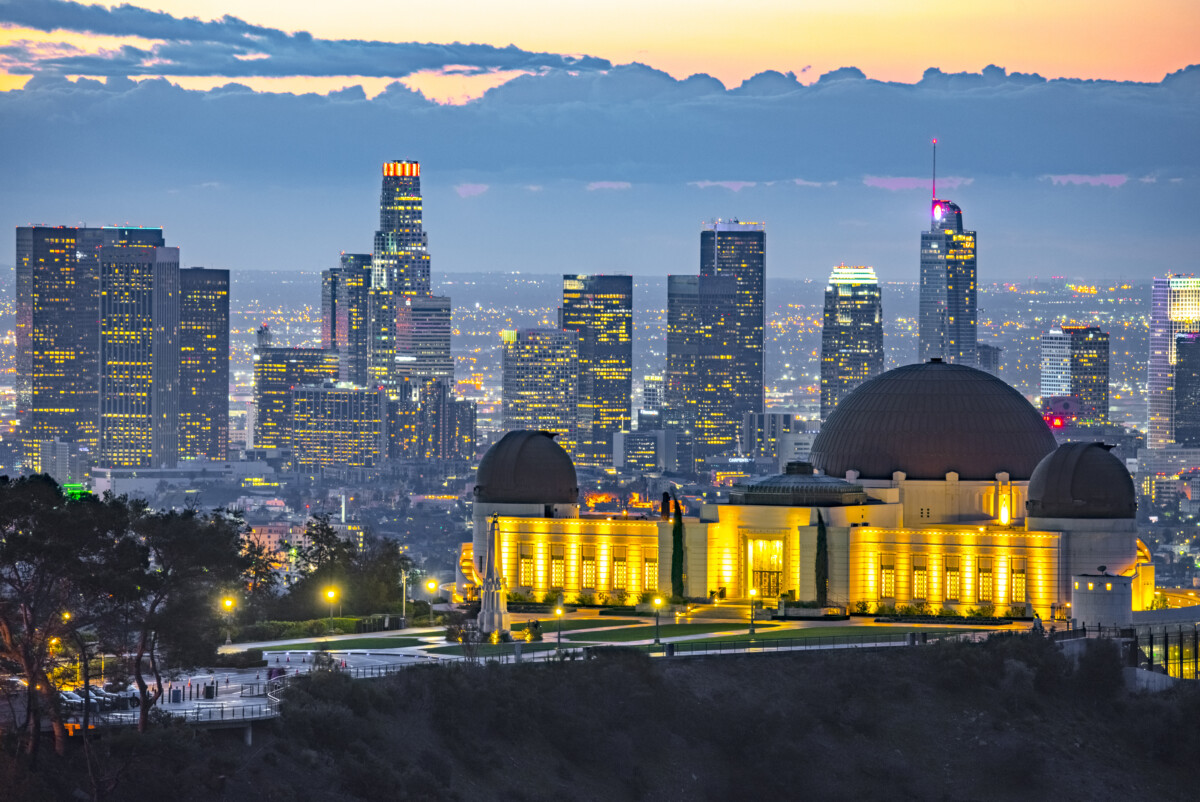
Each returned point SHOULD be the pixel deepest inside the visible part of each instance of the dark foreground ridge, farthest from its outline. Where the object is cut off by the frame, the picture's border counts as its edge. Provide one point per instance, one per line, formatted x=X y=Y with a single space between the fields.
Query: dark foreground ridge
x=1010 y=719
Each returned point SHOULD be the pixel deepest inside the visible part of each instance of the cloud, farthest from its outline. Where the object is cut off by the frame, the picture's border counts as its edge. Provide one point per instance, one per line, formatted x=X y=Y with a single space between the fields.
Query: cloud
x=534 y=187
x=800 y=182
x=1112 y=180
x=471 y=190
x=732 y=186
x=232 y=47
x=897 y=183
x=608 y=185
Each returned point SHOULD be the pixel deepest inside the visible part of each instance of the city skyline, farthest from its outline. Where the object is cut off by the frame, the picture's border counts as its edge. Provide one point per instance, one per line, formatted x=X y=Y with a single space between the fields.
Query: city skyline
x=581 y=137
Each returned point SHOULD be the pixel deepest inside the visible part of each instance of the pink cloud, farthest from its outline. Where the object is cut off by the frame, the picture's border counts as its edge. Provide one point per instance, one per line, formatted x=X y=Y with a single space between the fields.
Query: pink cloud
x=471 y=190
x=1113 y=180
x=896 y=183
x=608 y=185
x=732 y=186
x=800 y=182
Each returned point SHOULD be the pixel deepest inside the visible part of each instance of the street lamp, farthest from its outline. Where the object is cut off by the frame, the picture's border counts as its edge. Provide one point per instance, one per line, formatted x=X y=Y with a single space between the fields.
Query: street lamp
x=657 y=607
x=228 y=604
x=753 y=602
x=558 y=612
x=431 y=586
x=331 y=594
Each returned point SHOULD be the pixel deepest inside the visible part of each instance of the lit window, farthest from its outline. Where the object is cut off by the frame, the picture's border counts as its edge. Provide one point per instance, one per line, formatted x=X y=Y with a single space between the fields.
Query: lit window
x=953 y=577
x=920 y=577
x=650 y=572
x=985 y=579
x=525 y=566
x=887 y=574
x=588 y=573
x=1018 y=580
x=558 y=567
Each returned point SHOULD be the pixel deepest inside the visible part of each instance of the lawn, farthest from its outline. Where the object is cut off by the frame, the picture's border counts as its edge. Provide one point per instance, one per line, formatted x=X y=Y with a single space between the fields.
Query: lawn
x=550 y=625
x=494 y=649
x=349 y=643
x=665 y=631
x=845 y=634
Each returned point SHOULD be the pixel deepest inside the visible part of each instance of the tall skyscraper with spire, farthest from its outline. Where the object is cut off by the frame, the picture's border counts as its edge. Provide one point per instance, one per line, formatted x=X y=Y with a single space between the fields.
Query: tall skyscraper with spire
x=948 y=299
x=852 y=333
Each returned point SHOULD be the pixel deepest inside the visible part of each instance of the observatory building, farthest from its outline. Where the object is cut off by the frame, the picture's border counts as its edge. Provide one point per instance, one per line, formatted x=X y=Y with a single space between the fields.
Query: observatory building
x=937 y=485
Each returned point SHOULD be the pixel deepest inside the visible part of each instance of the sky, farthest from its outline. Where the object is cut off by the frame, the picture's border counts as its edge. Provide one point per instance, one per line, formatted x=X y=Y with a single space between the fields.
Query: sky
x=570 y=137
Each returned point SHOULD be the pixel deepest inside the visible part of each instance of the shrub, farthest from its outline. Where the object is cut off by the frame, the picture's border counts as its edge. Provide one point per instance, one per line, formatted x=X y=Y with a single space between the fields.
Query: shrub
x=646 y=597
x=884 y=609
x=518 y=596
x=585 y=599
x=552 y=596
x=862 y=607
x=619 y=597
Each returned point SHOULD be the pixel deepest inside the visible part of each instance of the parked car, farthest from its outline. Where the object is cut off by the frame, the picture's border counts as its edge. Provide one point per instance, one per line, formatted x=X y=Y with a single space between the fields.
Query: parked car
x=71 y=701
x=107 y=701
x=127 y=693
x=12 y=686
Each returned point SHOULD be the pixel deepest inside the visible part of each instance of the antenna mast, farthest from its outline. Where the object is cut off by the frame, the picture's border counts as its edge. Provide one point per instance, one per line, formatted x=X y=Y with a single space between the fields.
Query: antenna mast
x=935 y=168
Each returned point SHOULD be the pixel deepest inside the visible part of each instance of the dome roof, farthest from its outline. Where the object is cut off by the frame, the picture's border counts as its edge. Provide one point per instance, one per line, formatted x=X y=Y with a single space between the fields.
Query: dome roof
x=526 y=467
x=930 y=419
x=1081 y=480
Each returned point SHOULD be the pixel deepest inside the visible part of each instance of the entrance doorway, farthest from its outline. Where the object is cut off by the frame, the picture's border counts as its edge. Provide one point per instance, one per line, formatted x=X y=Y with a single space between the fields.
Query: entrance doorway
x=765 y=560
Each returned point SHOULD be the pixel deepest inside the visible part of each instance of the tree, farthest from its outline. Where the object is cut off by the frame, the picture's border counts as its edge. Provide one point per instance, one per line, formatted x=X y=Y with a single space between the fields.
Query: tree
x=664 y=509
x=326 y=549
x=821 y=569
x=56 y=557
x=677 y=553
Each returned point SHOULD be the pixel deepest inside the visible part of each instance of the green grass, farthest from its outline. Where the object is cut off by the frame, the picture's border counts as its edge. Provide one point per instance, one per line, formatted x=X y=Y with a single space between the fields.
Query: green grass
x=494 y=650
x=348 y=643
x=550 y=625
x=665 y=631
x=865 y=633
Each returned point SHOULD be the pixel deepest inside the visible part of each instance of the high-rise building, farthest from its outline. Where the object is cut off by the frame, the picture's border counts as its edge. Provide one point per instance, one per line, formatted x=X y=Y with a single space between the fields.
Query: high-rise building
x=739 y=250
x=701 y=403
x=948 y=314
x=400 y=262
x=1055 y=364
x=330 y=279
x=600 y=310
x=852 y=334
x=989 y=358
x=1186 y=416
x=1089 y=371
x=447 y=424
x=139 y=355
x=57 y=297
x=653 y=392
x=541 y=383
x=1174 y=308
x=203 y=363
x=276 y=372
x=351 y=330
x=338 y=425
x=423 y=339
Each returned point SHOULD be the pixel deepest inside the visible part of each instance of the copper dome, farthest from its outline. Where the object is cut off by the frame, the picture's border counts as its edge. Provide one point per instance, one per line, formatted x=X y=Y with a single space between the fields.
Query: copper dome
x=526 y=467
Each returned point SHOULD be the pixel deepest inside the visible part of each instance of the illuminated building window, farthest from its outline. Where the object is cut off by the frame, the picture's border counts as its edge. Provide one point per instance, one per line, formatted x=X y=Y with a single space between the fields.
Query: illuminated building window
x=525 y=566
x=558 y=567
x=1018 y=580
x=1108 y=585
x=620 y=569
x=887 y=576
x=650 y=571
x=953 y=577
x=588 y=572
x=985 y=579
x=920 y=577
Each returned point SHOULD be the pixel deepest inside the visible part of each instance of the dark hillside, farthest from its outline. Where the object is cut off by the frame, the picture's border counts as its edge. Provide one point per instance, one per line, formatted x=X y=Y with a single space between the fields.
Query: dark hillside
x=1005 y=720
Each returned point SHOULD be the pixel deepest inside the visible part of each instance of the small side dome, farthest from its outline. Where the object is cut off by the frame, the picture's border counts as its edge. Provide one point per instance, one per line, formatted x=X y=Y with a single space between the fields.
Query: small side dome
x=1081 y=480
x=526 y=467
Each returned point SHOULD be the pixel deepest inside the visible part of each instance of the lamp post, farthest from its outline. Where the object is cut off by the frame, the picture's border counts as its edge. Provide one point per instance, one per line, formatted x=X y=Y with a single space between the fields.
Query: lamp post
x=753 y=602
x=431 y=586
x=227 y=603
x=558 y=613
x=331 y=595
x=657 y=606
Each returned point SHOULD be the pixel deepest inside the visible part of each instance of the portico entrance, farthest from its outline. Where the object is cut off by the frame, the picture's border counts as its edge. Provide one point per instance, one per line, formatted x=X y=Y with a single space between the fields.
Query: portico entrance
x=765 y=561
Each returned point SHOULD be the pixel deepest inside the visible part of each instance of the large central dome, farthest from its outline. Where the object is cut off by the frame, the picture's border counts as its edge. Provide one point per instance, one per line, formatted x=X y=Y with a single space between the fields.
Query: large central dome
x=930 y=419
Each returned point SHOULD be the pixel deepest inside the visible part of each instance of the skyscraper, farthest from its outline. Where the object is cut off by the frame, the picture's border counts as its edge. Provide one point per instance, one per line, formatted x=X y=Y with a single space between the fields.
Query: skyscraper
x=700 y=396
x=139 y=355
x=739 y=250
x=423 y=338
x=204 y=363
x=1174 y=308
x=852 y=334
x=57 y=333
x=1074 y=362
x=350 y=317
x=948 y=314
x=338 y=426
x=276 y=372
x=400 y=262
x=541 y=383
x=1187 y=389
x=600 y=310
